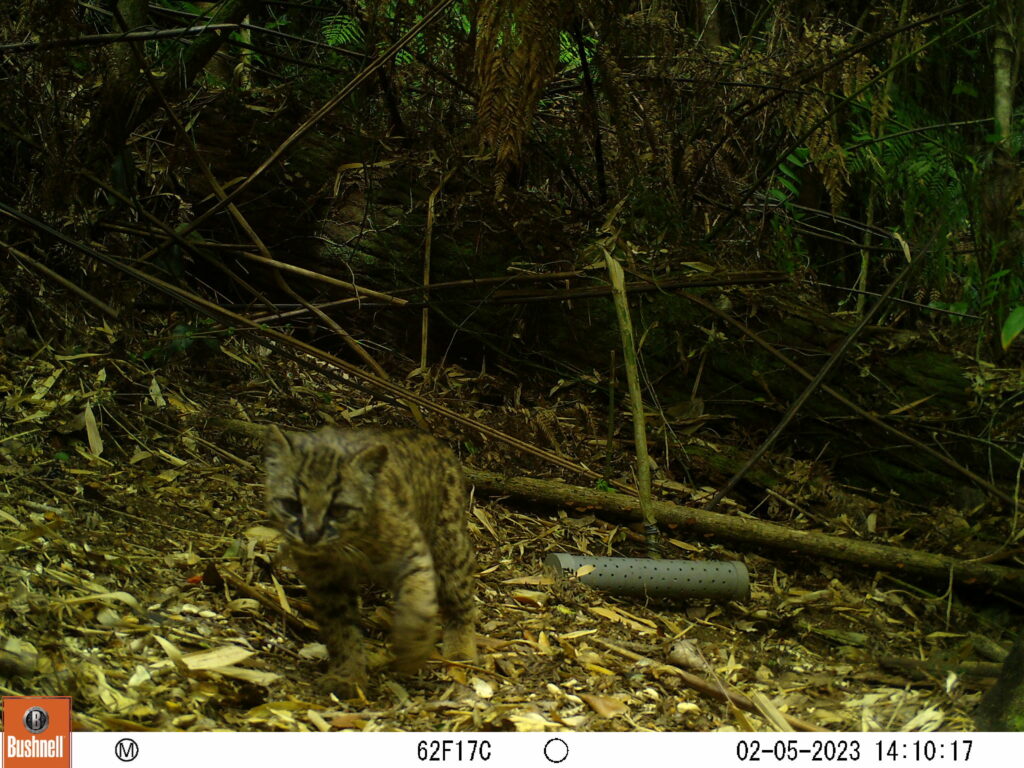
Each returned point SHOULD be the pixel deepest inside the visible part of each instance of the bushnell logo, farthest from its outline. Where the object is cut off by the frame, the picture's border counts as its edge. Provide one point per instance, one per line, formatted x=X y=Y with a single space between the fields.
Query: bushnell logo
x=36 y=720
x=37 y=732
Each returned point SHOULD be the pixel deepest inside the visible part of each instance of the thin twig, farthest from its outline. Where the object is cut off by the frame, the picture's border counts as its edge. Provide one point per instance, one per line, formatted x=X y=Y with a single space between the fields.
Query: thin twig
x=323 y=278
x=45 y=270
x=428 y=241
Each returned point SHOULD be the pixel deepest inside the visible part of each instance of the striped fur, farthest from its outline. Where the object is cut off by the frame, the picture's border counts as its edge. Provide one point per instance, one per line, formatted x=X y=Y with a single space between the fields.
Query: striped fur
x=387 y=506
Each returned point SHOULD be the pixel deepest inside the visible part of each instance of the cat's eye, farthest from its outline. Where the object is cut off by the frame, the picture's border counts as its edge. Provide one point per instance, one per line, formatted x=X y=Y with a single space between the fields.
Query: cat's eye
x=341 y=508
x=290 y=506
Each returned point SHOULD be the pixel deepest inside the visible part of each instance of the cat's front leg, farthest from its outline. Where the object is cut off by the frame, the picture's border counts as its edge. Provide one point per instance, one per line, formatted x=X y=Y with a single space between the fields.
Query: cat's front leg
x=414 y=629
x=336 y=608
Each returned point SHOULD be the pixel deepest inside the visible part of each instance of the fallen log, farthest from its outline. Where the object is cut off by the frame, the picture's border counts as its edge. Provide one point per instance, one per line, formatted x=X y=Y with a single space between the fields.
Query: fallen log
x=940 y=568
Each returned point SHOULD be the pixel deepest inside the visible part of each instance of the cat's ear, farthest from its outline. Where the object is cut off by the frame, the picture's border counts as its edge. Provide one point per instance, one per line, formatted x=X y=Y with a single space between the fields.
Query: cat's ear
x=371 y=460
x=277 y=442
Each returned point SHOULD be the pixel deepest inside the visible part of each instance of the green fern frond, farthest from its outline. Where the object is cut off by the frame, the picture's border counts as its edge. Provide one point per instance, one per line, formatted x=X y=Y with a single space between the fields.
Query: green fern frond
x=342 y=29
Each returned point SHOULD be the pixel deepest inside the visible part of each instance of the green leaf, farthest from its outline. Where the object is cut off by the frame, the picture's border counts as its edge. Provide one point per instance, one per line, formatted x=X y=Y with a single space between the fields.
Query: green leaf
x=797 y=158
x=1012 y=327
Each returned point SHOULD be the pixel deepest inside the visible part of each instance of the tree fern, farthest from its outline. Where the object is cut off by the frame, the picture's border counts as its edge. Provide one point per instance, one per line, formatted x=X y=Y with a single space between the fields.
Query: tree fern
x=342 y=29
x=918 y=177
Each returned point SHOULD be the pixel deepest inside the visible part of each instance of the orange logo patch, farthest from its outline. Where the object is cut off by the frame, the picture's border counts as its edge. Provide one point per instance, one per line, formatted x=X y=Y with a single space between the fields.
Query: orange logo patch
x=37 y=732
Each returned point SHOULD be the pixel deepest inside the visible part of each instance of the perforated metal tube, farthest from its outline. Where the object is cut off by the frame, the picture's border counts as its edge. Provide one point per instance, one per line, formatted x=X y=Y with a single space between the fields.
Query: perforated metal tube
x=679 y=579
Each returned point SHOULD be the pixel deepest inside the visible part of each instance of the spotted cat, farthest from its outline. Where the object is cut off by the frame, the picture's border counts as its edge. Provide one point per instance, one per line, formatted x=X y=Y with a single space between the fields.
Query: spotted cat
x=385 y=506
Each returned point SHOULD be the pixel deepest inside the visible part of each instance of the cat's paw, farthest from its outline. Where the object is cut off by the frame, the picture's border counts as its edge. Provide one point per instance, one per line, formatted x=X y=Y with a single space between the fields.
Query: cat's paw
x=412 y=646
x=342 y=685
x=459 y=643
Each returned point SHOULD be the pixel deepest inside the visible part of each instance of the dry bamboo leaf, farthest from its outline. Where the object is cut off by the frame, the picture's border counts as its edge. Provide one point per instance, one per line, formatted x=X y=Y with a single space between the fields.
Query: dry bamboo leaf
x=577 y=633
x=598 y=668
x=155 y=394
x=105 y=597
x=485 y=520
x=613 y=614
x=910 y=406
x=243 y=605
x=139 y=455
x=282 y=598
x=226 y=350
x=92 y=432
x=543 y=644
x=178 y=559
x=746 y=724
x=315 y=651
x=139 y=676
x=279 y=708
x=397 y=689
x=17 y=658
x=457 y=673
x=684 y=545
x=112 y=698
x=171 y=458
x=43 y=388
x=181 y=405
x=172 y=653
x=481 y=687
x=264 y=534
x=537 y=580
x=255 y=676
x=108 y=617
x=318 y=721
x=568 y=649
x=770 y=712
x=605 y=706
x=674 y=630
x=927 y=720
x=349 y=720
x=11 y=519
x=79 y=356
x=530 y=597
x=532 y=722
x=30 y=534
x=213 y=658
x=638 y=619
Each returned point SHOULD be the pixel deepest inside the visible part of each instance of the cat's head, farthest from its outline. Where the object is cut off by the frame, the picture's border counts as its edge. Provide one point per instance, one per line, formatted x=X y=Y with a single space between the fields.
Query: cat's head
x=320 y=486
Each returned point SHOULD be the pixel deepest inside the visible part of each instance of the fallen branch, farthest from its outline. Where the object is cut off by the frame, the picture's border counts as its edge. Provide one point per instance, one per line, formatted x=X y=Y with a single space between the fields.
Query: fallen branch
x=808 y=543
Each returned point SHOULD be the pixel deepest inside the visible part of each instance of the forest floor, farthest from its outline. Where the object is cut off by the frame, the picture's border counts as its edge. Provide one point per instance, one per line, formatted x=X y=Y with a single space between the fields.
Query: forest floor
x=140 y=577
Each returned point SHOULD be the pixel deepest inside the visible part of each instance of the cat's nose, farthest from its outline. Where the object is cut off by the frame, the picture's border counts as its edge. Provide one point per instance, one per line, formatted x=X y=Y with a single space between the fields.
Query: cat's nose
x=312 y=535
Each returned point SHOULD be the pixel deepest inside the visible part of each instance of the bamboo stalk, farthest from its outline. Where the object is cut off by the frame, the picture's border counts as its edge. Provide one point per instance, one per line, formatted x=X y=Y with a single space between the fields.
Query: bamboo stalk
x=629 y=360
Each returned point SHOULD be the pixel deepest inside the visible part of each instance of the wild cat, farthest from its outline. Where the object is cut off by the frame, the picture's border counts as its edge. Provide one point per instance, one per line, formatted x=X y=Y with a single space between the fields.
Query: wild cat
x=385 y=506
